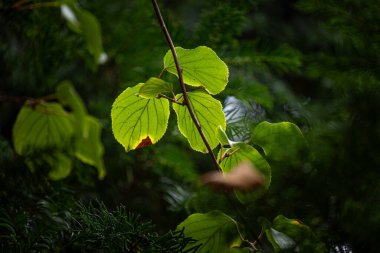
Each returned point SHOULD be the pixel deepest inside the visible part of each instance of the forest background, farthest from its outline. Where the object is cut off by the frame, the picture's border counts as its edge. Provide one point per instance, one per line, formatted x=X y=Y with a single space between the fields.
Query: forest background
x=313 y=63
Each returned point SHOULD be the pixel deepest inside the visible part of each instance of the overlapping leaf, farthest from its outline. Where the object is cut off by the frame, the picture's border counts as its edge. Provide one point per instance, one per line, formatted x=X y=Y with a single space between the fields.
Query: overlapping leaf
x=215 y=231
x=47 y=126
x=200 y=67
x=210 y=115
x=153 y=87
x=138 y=122
x=89 y=148
x=241 y=152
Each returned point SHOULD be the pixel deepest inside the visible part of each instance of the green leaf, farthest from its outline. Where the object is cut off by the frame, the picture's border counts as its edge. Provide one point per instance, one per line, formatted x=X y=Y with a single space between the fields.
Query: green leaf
x=215 y=231
x=153 y=87
x=138 y=122
x=279 y=240
x=200 y=67
x=242 y=152
x=280 y=141
x=82 y=21
x=68 y=96
x=89 y=148
x=210 y=115
x=222 y=136
x=47 y=126
x=289 y=233
x=60 y=163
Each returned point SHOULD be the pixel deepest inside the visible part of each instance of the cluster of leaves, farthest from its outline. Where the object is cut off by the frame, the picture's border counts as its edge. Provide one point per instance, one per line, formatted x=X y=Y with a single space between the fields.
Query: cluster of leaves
x=44 y=132
x=140 y=116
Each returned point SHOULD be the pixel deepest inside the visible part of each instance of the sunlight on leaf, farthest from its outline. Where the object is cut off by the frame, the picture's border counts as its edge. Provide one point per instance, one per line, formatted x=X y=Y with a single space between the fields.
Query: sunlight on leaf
x=210 y=115
x=215 y=231
x=153 y=87
x=200 y=67
x=134 y=118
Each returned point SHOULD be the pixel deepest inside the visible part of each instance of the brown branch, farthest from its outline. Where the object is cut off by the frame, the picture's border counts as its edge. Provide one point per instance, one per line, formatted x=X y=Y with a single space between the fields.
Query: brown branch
x=37 y=5
x=170 y=99
x=182 y=84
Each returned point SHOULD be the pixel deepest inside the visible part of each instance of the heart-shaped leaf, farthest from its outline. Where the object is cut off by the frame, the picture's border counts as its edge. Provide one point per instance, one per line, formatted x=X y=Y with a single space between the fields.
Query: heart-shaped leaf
x=215 y=231
x=137 y=121
x=200 y=67
x=210 y=115
x=153 y=87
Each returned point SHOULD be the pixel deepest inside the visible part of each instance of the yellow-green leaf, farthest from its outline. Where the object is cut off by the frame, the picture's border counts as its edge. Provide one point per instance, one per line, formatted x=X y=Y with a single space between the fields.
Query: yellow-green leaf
x=210 y=115
x=200 y=67
x=153 y=87
x=214 y=231
x=136 y=121
x=89 y=148
x=46 y=126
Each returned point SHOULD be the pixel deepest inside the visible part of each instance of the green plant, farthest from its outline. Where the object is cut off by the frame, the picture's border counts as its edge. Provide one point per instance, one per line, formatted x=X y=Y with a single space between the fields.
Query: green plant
x=140 y=116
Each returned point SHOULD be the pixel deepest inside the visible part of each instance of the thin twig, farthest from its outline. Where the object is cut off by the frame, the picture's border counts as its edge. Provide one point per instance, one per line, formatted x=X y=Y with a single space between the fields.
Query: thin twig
x=182 y=84
x=38 y=6
x=226 y=154
x=170 y=99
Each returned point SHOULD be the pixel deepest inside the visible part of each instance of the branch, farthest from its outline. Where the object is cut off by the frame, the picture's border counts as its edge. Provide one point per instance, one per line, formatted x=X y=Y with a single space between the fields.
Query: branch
x=170 y=99
x=182 y=84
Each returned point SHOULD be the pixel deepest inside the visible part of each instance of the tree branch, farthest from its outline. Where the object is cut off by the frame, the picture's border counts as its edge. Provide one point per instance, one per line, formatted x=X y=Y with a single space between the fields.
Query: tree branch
x=182 y=84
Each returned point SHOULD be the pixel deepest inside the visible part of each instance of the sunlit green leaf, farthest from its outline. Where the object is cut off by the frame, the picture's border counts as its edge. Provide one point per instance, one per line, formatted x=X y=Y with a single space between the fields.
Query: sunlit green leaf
x=153 y=87
x=86 y=23
x=89 y=148
x=215 y=231
x=138 y=122
x=210 y=115
x=46 y=126
x=200 y=67
x=280 y=141
x=242 y=152
x=222 y=136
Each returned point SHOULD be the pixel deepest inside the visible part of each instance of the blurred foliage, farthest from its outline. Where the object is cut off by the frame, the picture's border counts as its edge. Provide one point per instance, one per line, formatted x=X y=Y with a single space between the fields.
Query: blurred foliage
x=311 y=62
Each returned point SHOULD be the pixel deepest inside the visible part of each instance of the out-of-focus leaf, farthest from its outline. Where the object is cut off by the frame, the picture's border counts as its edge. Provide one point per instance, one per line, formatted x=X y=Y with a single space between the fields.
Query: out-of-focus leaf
x=138 y=122
x=243 y=177
x=215 y=231
x=176 y=163
x=210 y=115
x=241 y=152
x=82 y=21
x=280 y=141
x=46 y=126
x=68 y=96
x=60 y=163
x=200 y=67
x=89 y=149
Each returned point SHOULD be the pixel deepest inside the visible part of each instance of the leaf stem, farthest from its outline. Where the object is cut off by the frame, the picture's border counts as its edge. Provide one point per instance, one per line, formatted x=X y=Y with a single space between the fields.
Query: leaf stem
x=182 y=84
x=170 y=99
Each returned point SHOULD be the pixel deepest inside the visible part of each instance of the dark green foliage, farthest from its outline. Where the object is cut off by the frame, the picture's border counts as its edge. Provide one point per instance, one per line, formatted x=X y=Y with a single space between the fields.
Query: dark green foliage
x=311 y=62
